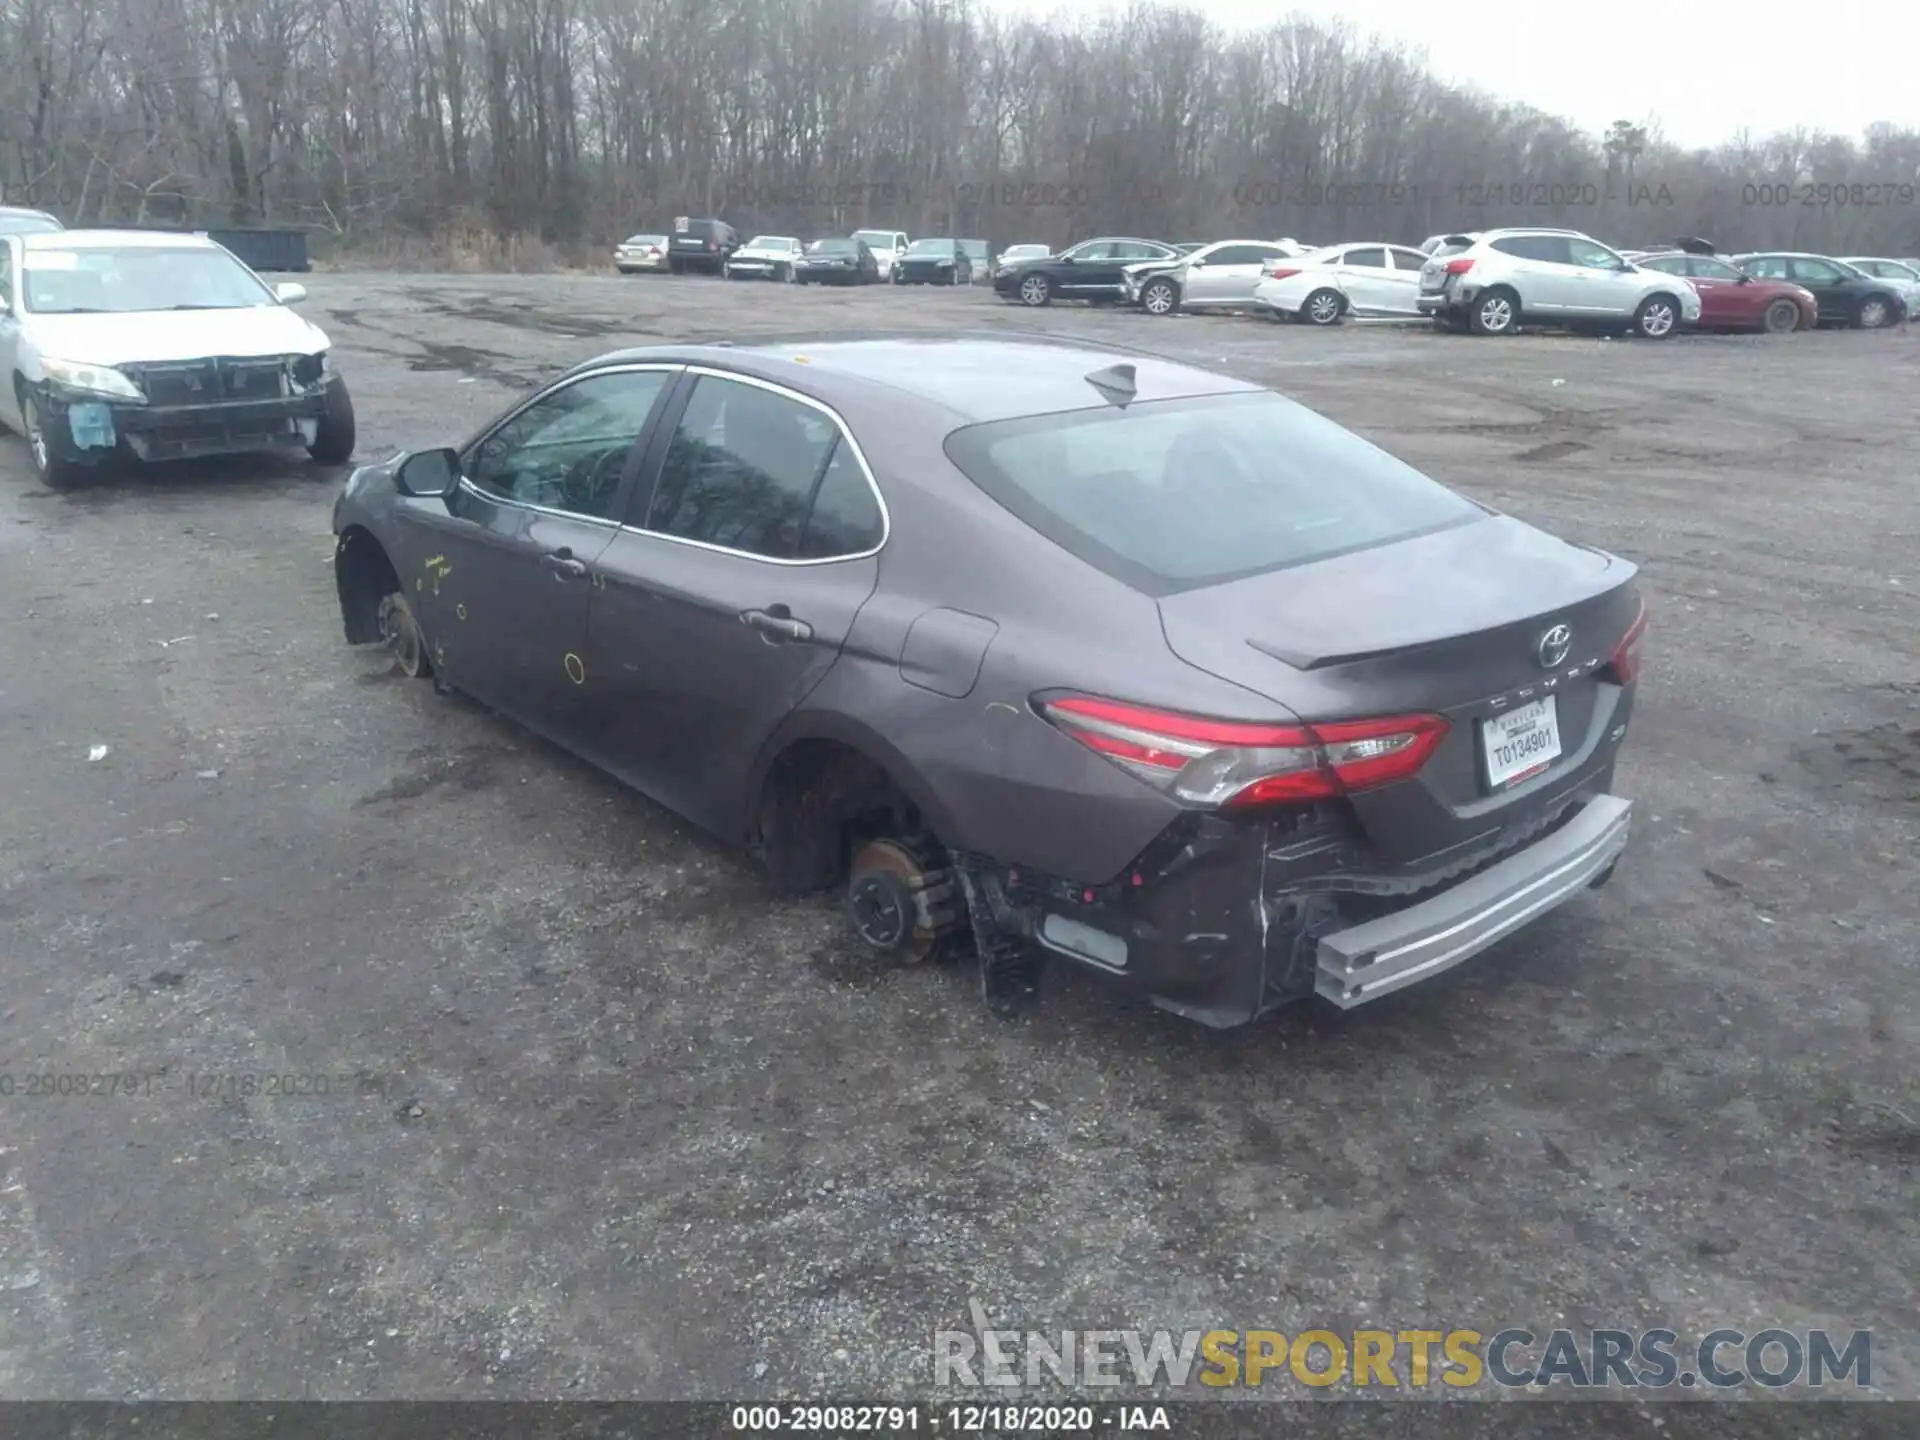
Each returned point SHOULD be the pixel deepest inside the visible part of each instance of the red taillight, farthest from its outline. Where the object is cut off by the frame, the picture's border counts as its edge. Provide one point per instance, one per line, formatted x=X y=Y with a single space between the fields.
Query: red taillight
x=1283 y=272
x=1459 y=267
x=1625 y=663
x=1231 y=763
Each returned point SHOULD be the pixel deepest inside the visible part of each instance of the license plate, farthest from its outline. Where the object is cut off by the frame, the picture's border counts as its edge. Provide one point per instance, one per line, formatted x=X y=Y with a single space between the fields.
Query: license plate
x=1520 y=743
x=1431 y=283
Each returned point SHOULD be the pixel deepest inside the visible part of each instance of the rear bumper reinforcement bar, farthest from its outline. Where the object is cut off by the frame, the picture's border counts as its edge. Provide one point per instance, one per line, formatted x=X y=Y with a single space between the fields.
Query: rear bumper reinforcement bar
x=1373 y=959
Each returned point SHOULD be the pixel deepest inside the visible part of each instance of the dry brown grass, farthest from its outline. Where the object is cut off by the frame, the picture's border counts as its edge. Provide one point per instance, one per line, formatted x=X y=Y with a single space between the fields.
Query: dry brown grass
x=464 y=246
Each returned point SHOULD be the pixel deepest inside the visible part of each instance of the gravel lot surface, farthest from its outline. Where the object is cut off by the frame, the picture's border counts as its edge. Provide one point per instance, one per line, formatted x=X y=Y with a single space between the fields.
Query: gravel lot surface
x=601 y=1119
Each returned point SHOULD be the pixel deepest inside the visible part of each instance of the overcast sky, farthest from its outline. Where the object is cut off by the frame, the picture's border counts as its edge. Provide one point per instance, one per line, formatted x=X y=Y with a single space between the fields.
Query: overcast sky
x=1702 y=70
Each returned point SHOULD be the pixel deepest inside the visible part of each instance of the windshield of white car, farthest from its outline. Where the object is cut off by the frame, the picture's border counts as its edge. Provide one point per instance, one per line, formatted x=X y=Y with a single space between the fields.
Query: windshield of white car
x=943 y=248
x=771 y=242
x=19 y=224
x=1174 y=494
x=98 y=280
x=876 y=239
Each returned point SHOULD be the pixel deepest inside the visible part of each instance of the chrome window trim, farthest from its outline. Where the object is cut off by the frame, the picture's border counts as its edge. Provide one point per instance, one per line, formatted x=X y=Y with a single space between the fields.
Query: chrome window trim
x=846 y=434
x=564 y=383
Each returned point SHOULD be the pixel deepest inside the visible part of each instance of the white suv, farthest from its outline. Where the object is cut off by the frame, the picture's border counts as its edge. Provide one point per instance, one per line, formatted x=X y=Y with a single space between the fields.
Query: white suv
x=1490 y=282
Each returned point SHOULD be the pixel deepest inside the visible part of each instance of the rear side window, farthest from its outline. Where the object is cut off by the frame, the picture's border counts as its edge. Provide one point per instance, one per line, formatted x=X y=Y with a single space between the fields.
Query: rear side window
x=1175 y=494
x=752 y=470
x=1373 y=258
x=1550 y=248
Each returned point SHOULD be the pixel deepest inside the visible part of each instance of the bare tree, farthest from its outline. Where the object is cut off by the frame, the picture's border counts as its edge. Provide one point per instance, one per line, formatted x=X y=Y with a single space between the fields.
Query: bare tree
x=577 y=120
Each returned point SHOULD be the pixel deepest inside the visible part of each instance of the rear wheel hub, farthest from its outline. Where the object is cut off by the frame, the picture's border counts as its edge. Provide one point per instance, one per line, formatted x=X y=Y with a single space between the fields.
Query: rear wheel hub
x=899 y=903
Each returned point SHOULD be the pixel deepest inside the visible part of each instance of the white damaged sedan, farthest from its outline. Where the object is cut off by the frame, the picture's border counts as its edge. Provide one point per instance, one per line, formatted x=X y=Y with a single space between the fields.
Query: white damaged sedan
x=160 y=346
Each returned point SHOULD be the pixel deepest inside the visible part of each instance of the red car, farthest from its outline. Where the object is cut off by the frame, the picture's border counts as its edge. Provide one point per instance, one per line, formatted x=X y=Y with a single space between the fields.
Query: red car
x=1731 y=299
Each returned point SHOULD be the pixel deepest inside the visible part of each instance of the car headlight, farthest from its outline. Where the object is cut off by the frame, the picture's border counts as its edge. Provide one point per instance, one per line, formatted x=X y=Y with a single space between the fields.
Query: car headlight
x=91 y=379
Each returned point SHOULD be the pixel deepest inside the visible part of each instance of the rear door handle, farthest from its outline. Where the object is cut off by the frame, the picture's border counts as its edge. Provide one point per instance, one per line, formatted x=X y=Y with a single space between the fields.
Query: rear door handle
x=562 y=563
x=777 y=624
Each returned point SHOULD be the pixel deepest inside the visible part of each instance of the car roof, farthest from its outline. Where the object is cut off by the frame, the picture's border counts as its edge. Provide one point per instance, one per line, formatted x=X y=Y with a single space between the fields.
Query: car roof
x=118 y=240
x=976 y=378
x=25 y=210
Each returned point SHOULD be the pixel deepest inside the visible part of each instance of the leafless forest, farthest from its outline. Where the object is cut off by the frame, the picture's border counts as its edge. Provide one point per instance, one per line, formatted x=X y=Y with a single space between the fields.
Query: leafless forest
x=490 y=129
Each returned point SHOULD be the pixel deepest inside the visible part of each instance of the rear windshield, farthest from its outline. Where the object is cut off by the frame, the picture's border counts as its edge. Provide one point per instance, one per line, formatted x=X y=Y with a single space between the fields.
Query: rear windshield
x=1451 y=246
x=1172 y=495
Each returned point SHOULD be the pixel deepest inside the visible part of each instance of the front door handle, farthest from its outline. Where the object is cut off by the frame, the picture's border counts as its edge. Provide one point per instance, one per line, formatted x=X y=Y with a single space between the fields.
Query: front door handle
x=777 y=624
x=562 y=563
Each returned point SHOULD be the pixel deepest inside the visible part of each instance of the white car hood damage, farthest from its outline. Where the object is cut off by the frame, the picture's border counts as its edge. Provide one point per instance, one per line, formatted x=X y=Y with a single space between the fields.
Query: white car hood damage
x=164 y=335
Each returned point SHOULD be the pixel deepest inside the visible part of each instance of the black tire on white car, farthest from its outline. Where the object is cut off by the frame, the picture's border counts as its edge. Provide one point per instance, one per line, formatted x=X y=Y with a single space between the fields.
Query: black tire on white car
x=56 y=472
x=1496 y=312
x=333 y=442
x=1323 y=307
x=1657 y=318
x=1160 y=296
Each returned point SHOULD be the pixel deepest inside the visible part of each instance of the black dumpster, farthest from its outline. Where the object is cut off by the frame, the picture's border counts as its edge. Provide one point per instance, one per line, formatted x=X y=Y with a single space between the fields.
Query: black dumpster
x=266 y=249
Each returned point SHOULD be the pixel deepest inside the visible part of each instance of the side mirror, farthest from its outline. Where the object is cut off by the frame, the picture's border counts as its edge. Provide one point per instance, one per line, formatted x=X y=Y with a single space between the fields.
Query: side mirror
x=6 y=307
x=427 y=474
x=289 y=293
x=1745 y=279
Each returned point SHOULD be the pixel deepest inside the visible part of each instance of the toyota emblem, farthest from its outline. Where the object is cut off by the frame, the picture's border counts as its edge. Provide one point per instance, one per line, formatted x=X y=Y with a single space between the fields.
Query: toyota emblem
x=1554 y=646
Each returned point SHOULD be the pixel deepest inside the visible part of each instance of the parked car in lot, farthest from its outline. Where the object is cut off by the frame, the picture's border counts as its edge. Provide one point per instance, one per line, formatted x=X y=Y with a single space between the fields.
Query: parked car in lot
x=1494 y=281
x=15 y=220
x=1844 y=296
x=641 y=254
x=1021 y=252
x=887 y=247
x=980 y=258
x=701 y=245
x=1899 y=274
x=1323 y=287
x=765 y=257
x=1092 y=270
x=1731 y=299
x=933 y=262
x=838 y=261
x=1218 y=276
x=159 y=346
x=1031 y=648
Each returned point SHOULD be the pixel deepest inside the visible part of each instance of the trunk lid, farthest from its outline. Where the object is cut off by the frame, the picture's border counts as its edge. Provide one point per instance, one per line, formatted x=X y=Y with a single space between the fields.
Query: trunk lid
x=1453 y=623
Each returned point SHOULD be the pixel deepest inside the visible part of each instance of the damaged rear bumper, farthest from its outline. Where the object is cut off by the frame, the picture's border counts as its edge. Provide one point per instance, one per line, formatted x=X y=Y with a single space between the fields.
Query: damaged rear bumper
x=1220 y=921
x=1386 y=954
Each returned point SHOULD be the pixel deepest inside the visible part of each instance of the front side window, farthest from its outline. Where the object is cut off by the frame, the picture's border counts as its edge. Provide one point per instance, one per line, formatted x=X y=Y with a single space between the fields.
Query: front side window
x=1592 y=256
x=1817 y=272
x=756 y=471
x=568 y=450
x=1175 y=494
x=1092 y=250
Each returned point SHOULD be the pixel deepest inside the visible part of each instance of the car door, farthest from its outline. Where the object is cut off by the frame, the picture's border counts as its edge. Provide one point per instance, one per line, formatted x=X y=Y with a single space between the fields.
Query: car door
x=1079 y=269
x=1541 y=271
x=1228 y=275
x=1828 y=284
x=728 y=594
x=505 y=565
x=9 y=336
x=1606 y=284
x=1726 y=299
x=1363 y=275
x=1403 y=281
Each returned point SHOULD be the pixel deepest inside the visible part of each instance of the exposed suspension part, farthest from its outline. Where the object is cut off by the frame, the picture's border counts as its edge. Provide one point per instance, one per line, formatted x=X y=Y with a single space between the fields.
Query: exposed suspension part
x=901 y=901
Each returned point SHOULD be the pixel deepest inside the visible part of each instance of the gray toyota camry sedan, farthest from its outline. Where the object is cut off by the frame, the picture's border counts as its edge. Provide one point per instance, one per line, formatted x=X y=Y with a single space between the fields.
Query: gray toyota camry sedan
x=1038 y=652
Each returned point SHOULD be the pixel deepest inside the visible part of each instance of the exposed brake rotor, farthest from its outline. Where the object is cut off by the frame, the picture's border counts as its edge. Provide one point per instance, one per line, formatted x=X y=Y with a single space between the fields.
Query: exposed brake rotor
x=899 y=904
